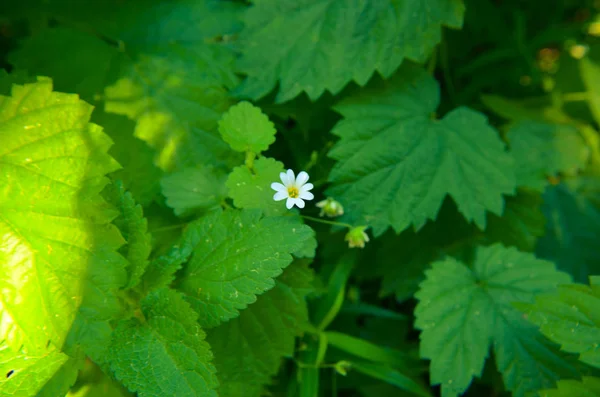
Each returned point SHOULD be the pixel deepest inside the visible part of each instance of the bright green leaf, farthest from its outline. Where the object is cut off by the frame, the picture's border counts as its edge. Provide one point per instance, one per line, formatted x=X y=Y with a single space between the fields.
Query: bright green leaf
x=463 y=311
x=24 y=375
x=396 y=165
x=236 y=257
x=59 y=250
x=194 y=189
x=134 y=228
x=166 y=354
x=316 y=45
x=252 y=189
x=571 y=317
x=246 y=128
x=542 y=150
x=249 y=348
x=64 y=378
x=588 y=387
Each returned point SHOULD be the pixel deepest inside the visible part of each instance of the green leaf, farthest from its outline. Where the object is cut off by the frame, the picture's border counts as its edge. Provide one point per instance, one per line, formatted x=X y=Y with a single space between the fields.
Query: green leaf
x=59 y=246
x=252 y=189
x=139 y=174
x=64 y=378
x=542 y=150
x=246 y=128
x=521 y=224
x=463 y=311
x=572 y=230
x=315 y=45
x=23 y=374
x=134 y=228
x=588 y=387
x=391 y=376
x=194 y=189
x=176 y=103
x=236 y=257
x=249 y=348
x=571 y=317
x=590 y=74
x=166 y=354
x=84 y=69
x=395 y=165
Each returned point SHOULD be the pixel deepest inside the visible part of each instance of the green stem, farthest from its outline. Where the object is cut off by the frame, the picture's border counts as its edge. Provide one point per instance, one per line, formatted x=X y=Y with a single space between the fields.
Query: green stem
x=250 y=160
x=575 y=97
x=167 y=228
x=349 y=226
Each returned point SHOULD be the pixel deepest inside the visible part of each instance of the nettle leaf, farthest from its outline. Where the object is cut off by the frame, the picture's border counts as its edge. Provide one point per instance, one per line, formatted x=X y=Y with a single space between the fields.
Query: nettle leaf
x=134 y=228
x=246 y=128
x=542 y=150
x=25 y=374
x=252 y=189
x=571 y=317
x=395 y=165
x=139 y=174
x=195 y=189
x=248 y=349
x=463 y=311
x=572 y=230
x=58 y=246
x=589 y=386
x=521 y=224
x=166 y=354
x=236 y=258
x=315 y=45
x=176 y=89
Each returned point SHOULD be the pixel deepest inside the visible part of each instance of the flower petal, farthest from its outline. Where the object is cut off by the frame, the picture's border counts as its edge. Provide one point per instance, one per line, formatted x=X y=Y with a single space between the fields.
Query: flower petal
x=307 y=187
x=278 y=187
x=300 y=203
x=284 y=178
x=306 y=195
x=290 y=177
x=280 y=195
x=290 y=203
x=301 y=179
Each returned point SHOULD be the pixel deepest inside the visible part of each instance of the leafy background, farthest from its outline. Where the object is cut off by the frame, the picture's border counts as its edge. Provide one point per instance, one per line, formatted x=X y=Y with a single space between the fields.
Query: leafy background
x=141 y=251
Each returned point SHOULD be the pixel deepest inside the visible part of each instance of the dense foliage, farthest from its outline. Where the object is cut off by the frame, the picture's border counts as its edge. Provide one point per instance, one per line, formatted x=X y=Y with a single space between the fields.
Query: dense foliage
x=443 y=239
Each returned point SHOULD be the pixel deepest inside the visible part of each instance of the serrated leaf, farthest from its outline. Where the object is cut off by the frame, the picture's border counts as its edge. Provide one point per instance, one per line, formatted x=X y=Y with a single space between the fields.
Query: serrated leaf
x=571 y=317
x=236 y=257
x=588 y=387
x=252 y=189
x=134 y=228
x=194 y=189
x=246 y=128
x=521 y=224
x=248 y=349
x=541 y=150
x=139 y=174
x=58 y=248
x=166 y=354
x=315 y=45
x=463 y=311
x=395 y=165
x=572 y=230
x=24 y=375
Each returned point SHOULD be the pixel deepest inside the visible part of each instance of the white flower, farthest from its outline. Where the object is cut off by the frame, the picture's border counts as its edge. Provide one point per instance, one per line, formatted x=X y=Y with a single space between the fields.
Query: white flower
x=295 y=190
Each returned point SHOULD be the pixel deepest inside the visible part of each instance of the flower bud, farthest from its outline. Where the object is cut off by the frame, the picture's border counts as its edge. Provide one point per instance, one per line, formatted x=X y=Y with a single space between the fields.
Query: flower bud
x=330 y=207
x=357 y=237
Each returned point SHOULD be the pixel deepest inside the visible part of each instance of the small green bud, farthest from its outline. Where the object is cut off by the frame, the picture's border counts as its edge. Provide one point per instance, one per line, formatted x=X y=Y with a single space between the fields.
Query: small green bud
x=342 y=367
x=357 y=237
x=330 y=207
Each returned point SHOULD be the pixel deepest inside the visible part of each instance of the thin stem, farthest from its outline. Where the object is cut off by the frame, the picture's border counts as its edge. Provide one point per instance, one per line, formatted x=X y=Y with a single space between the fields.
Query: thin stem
x=575 y=97
x=166 y=228
x=349 y=226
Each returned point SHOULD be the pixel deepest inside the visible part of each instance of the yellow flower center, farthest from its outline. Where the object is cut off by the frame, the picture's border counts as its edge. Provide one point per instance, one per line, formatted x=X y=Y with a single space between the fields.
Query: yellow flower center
x=293 y=192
